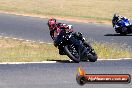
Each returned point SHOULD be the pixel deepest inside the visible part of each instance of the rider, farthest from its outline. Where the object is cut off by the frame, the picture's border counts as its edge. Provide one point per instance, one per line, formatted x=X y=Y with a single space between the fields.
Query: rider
x=55 y=29
x=117 y=18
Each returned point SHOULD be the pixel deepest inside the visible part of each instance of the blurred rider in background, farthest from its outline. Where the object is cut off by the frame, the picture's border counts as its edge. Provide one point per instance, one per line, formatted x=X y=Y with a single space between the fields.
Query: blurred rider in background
x=116 y=19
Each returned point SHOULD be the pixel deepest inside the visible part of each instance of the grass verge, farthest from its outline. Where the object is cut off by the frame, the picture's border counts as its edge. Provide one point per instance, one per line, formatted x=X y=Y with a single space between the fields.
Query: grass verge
x=20 y=51
x=99 y=10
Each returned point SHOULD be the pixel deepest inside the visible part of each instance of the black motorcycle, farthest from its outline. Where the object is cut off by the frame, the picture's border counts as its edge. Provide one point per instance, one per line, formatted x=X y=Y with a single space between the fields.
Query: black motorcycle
x=67 y=48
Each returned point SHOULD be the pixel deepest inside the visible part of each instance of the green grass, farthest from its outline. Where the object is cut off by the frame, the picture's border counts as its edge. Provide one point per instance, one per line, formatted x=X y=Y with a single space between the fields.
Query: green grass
x=20 y=51
x=112 y=50
x=17 y=51
x=100 y=10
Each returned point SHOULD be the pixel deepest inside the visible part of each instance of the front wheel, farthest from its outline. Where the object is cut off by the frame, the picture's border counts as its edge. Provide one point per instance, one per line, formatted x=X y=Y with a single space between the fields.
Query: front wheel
x=72 y=53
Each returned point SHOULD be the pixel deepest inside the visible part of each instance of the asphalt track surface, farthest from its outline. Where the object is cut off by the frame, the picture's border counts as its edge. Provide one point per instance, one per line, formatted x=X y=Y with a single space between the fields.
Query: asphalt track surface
x=60 y=74
x=34 y=28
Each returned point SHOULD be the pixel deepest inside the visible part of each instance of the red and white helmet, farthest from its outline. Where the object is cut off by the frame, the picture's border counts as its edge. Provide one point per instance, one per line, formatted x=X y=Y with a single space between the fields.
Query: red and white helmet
x=51 y=23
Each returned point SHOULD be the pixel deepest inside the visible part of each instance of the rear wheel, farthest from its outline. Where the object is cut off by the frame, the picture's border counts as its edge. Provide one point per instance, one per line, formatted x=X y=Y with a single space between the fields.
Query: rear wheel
x=92 y=56
x=72 y=53
x=131 y=28
x=123 y=34
x=124 y=31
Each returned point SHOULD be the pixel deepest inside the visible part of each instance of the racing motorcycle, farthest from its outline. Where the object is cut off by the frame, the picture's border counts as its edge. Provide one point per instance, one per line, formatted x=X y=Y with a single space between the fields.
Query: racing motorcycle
x=72 y=51
x=123 y=26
